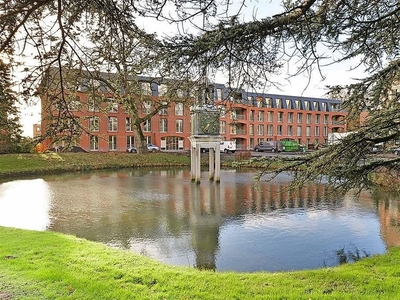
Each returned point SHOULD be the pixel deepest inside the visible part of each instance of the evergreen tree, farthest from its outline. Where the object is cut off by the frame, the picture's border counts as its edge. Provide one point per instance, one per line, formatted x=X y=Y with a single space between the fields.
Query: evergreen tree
x=10 y=127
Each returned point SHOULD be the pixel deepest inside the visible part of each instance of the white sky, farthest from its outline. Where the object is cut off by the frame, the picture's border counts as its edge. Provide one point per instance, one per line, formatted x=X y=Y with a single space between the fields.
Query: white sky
x=338 y=74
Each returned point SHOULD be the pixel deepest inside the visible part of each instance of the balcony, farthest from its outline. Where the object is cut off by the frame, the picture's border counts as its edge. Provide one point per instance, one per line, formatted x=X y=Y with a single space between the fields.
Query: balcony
x=239 y=132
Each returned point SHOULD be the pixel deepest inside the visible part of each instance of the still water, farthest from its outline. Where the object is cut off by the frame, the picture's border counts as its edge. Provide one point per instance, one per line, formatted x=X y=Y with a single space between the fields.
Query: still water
x=238 y=225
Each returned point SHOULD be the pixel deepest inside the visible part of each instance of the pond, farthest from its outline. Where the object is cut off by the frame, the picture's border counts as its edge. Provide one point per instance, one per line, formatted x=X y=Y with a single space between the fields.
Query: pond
x=238 y=224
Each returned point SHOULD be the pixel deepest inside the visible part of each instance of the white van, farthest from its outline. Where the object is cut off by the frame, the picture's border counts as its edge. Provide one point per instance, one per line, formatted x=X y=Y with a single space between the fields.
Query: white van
x=225 y=146
x=228 y=146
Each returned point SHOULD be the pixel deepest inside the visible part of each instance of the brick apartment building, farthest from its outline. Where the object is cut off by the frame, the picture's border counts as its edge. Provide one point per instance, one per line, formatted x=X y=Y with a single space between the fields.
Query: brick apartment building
x=246 y=117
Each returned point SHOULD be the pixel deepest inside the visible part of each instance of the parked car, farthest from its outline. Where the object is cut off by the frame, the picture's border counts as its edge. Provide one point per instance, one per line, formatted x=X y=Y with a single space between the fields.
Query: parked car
x=153 y=148
x=131 y=150
x=396 y=150
x=273 y=146
x=150 y=148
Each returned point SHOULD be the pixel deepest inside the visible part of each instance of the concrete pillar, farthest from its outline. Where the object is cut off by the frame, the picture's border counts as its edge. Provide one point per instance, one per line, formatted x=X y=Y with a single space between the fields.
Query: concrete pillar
x=217 y=174
x=198 y=164
x=192 y=163
x=211 y=163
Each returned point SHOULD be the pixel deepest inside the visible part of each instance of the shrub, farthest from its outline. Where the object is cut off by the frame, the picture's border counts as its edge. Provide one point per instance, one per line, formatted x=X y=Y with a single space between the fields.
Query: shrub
x=242 y=155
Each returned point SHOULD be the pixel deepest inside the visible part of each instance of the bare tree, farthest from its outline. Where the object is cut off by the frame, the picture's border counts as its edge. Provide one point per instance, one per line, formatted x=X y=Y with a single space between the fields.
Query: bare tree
x=307 y=34
x=127 y=56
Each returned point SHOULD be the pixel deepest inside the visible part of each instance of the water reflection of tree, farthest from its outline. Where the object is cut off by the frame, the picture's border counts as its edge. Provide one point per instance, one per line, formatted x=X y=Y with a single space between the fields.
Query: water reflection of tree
x=344 y=256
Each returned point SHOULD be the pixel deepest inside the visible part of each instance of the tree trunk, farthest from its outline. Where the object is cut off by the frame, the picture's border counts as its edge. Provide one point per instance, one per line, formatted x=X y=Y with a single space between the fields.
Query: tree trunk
x=140 y=140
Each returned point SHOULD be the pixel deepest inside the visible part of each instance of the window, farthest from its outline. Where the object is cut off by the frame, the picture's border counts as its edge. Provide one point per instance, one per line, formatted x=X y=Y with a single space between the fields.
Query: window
x=162 y=90
x=326 y=119
x=222 y=127
x=179 y=109
x=299 y=131
x=325 y=131
x=317 y=132
x=93 y=106
x=222 y=110
x=270 y=116
x=308 y=118
x=279 y=130
x=179 y=126
x=219 y=94
x=146 y=107
x=290 y=130
x=112 y=143
x=279 y=103
x=94 y=143
x=316 y=106
x=147 y=126
x=130 y=141
x=260 y=130
x=335 y=107
x=299 y=118
x=71 y=124
x=289 y=104
x=270 y=130
x=94 y=124
x=317 y=119
x=74 y=104
x=164 y=111
x=163 y=125
x=280 y=117
x=307 y=105
x=145 y=88
x=260 y=117
x=251 y=129
x=268 y=102
x=324 y=106
x=259 y=103
x=251 y=115
x=298 y=104
x=233 y=129
x=128 y=124
x=290 y=117
x=308 y=131
x=236 y=97
x=112 y=124
x=112 y=106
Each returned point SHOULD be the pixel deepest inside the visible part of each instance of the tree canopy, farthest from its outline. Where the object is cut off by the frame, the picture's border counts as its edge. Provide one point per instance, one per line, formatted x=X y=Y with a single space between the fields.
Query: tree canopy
x=213 y=35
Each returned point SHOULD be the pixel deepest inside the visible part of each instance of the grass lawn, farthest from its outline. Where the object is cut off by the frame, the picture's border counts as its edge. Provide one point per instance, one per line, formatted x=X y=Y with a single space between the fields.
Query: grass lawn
x=48 y=265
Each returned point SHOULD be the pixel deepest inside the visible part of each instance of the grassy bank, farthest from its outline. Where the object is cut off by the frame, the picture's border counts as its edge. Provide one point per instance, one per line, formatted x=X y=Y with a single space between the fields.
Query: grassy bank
x=47 y=265
x=15 y=165
x=12 y=165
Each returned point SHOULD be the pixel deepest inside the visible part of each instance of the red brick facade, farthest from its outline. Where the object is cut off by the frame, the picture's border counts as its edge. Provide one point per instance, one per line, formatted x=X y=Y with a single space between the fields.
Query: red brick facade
x=249 y=119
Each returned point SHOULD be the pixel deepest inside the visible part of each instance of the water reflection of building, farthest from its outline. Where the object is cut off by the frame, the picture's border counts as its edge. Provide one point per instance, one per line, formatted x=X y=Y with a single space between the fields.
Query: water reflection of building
x=169 y=212
x=388 y=206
